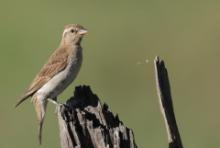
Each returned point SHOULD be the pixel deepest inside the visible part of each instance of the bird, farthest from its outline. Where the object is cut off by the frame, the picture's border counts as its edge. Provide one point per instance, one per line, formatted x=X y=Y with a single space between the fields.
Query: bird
x=57 y=73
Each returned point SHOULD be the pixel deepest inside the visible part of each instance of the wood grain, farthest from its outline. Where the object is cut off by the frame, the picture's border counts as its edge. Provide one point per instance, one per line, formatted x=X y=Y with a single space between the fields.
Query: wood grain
x=85 y=123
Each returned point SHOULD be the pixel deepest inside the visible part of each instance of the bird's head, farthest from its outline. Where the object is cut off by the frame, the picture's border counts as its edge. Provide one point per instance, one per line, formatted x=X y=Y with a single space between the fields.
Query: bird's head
x=73 y=34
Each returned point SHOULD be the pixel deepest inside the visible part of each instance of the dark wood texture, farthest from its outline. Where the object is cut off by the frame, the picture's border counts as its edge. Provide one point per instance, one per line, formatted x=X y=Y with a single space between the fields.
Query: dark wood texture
x=85 y=123
x=166 y=105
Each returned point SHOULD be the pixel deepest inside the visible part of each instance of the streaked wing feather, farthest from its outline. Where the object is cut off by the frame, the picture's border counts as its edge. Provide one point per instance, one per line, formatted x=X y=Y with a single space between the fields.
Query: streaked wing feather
x=56 y=63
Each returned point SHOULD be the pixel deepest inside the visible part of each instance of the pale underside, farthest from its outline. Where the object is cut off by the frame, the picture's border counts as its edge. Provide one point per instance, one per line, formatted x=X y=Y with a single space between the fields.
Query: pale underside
x=60 y=70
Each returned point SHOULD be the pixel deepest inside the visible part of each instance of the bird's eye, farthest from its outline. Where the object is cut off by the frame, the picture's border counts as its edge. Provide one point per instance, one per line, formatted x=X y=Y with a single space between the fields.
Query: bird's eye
x=72 y=30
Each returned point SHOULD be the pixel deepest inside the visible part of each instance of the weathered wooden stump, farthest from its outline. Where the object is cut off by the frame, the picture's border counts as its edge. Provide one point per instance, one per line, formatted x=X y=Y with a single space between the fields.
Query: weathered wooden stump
x=85 y=123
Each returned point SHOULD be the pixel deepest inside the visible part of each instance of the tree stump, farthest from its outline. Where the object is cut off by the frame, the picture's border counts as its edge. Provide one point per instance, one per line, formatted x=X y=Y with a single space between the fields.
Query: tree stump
x=85 y=123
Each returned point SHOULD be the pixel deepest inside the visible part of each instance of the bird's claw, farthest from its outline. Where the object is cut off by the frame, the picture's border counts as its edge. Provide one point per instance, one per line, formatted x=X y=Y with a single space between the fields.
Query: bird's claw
x=56 y=103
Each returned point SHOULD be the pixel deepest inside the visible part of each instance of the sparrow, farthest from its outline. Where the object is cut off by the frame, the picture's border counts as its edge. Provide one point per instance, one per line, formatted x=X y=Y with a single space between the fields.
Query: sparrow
x=59 y=71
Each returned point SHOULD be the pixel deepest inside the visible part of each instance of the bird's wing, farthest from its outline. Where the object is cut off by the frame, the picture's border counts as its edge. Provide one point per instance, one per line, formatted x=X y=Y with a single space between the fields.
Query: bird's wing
x=56 y=63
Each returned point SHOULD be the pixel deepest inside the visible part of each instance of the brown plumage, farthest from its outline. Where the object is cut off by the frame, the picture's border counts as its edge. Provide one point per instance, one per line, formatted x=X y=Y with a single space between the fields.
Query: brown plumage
x=56 y=63
x=59 y=71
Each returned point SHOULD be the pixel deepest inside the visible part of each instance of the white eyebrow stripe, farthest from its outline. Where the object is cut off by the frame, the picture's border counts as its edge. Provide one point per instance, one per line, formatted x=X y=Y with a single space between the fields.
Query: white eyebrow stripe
x=66 y=30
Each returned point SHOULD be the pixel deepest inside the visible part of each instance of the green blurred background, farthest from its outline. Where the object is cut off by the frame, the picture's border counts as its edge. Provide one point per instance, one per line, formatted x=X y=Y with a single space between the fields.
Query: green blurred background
x=124 y=37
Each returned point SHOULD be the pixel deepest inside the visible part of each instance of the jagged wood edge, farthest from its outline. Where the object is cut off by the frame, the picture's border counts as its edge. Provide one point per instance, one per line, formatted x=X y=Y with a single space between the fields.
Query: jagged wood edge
x=68 y=130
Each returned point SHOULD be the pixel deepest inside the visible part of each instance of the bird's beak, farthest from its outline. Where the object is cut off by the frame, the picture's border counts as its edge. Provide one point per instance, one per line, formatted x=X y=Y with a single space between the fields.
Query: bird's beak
x=83 y=31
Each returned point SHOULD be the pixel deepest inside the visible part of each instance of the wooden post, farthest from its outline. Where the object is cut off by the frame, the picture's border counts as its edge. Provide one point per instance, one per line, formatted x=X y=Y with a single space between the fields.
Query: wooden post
x=166 y=105
x=85 y=123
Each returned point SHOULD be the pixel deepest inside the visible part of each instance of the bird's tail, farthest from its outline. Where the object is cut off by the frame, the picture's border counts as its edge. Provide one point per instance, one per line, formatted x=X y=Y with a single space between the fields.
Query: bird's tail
x=25 y=97
x=40 y=108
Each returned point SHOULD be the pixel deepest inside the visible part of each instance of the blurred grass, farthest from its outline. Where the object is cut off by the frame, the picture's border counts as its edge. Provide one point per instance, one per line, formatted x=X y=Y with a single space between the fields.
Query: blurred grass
x=122 y=35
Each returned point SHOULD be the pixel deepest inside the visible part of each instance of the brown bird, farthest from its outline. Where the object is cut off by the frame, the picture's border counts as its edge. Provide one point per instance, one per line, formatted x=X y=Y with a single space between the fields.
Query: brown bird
x=59 y=72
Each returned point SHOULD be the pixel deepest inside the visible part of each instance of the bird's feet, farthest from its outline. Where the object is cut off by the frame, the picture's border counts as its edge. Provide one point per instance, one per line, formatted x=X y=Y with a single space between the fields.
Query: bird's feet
x=56 y=103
